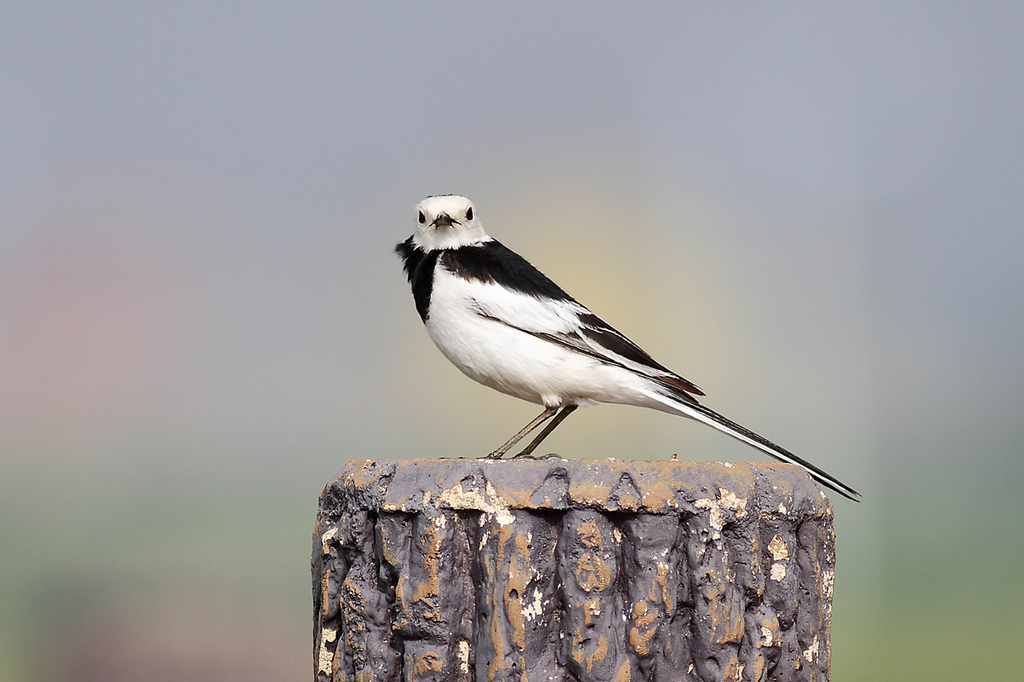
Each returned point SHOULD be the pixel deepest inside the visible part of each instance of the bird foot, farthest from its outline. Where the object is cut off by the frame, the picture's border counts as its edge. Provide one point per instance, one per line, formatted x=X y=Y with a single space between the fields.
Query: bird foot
x=550 y=455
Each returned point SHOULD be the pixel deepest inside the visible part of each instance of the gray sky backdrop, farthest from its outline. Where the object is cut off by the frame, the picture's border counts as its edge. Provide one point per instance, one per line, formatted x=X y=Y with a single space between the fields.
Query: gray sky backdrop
x=815 y=212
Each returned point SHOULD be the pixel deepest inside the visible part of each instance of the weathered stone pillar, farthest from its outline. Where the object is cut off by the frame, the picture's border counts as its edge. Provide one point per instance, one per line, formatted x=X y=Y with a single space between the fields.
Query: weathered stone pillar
x=460 y=570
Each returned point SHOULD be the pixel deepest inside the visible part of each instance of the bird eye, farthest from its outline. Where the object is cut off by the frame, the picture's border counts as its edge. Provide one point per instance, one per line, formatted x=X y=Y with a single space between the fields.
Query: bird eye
x=469 y=213
x=423 y=218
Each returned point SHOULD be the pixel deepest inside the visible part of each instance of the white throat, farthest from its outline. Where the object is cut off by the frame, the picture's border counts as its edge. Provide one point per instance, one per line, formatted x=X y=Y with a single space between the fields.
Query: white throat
x=436 y=239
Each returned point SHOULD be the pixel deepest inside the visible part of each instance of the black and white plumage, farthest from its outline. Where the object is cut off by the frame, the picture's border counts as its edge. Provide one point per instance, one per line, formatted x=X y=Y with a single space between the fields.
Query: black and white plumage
x=506 y=325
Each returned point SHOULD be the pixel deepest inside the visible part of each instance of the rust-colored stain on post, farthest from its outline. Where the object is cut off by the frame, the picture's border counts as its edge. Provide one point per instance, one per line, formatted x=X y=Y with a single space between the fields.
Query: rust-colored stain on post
x=542 y=570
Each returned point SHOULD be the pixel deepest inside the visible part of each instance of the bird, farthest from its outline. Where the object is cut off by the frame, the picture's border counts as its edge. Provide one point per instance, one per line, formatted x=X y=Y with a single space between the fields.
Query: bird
x=507 y=326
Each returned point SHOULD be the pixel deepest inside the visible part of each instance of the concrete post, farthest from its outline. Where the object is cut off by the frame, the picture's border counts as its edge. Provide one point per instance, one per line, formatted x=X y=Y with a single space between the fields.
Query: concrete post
x=461 y=570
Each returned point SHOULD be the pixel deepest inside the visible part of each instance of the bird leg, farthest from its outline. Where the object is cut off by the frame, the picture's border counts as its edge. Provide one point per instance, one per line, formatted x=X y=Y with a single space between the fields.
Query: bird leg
x=541 y=418
x=566 y=411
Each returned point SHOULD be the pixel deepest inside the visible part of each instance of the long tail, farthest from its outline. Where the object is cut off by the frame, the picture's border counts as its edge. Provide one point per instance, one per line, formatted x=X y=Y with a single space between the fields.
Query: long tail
x=695 y=410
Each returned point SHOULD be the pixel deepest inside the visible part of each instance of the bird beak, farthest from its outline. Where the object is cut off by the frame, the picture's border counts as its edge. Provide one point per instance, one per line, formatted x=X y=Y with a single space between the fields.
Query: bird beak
x=444 y=220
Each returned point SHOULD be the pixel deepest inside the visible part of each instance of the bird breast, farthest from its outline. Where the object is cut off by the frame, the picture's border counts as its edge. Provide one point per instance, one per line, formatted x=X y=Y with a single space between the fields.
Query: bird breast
x=461 y=322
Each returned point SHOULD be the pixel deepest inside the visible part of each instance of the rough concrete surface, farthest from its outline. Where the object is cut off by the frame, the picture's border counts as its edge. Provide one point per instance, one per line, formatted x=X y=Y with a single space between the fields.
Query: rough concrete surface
x=461 y=570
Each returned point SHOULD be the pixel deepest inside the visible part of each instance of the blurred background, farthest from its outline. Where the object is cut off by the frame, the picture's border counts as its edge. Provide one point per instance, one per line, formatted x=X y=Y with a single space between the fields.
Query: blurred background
x=813 y=212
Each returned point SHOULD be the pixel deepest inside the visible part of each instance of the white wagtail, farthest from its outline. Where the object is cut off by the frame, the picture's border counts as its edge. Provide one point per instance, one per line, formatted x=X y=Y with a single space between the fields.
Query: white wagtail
x=506 y=325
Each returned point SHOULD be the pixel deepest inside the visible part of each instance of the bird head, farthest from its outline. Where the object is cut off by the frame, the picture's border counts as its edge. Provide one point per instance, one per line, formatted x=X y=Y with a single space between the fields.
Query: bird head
x=447 y=222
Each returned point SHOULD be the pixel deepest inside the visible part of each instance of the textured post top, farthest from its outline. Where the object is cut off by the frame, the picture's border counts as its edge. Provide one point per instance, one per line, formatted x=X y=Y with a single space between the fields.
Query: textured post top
x=638 y=486
x=459 y=570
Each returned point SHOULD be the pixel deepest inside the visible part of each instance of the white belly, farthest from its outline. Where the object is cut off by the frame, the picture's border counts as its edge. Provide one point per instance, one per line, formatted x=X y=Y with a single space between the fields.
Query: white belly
x=518 y=363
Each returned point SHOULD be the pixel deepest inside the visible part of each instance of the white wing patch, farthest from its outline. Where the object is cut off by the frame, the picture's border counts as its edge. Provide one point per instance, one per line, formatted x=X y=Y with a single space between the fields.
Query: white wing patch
x=523 y=311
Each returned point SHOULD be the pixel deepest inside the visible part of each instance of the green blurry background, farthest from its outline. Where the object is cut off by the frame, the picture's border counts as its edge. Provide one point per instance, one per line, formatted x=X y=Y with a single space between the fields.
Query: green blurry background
x=814 y=212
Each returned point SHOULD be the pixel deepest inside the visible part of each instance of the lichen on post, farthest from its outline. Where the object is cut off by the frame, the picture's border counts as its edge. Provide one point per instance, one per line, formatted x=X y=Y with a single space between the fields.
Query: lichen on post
x=460 y=570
